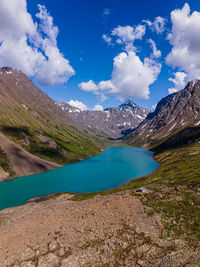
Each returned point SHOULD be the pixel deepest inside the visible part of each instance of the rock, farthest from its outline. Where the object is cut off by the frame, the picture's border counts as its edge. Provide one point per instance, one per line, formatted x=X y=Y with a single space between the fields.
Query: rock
x=6 y=69
x=43 y=249
x=27 y=254
x=28 y=264
x=53 y=246
x=70 y=262
x=48 y=260
x=61 y=252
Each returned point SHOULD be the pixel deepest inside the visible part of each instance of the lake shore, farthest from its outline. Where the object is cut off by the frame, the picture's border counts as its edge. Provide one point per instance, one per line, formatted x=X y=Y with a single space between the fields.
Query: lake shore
x=120 y=227
x=110 y=169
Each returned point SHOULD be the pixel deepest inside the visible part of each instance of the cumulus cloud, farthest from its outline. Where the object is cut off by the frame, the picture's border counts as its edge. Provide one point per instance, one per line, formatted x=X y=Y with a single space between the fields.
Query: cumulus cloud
x=158 y=25
x=98 y=108
x=77 y=104
x=29 y=46
x=179 y=81
x=156 y=53
x=89 y=86
x=131 y=77
x=185 y=41
x=80 y=105
x=126 y=35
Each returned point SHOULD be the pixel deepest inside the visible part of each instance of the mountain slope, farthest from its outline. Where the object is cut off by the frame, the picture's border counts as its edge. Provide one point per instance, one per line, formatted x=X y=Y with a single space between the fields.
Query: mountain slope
x=30 y=119
x=172 y=114
x=113 y=122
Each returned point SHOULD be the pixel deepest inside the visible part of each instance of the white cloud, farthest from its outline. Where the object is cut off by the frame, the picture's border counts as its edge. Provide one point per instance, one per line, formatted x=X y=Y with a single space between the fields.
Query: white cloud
x=30 y=47
x=106 y=12
x=185 y=41
x=77 y=104
x=179 y=81
x=89 y=86
x=126 y=35
x=131 y=77
x=107 y=39
x=98 y=108
x=156 y=53
x=154 y=106
x=172 y=90
x=158 y=25
x=80 y=105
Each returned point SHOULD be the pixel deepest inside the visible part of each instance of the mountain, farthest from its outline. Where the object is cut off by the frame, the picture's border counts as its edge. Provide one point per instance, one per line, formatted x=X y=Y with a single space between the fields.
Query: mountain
x=32 y=124
x=176 y=119
x=112 y=122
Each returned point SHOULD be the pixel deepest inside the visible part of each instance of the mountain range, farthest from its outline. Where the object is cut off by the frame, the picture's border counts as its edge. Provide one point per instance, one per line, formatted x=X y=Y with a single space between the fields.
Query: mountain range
x=38 y=134
x=111 y=122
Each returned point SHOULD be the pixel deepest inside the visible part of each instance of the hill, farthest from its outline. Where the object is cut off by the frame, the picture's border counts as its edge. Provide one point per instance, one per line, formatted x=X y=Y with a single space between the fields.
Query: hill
x=32 y=121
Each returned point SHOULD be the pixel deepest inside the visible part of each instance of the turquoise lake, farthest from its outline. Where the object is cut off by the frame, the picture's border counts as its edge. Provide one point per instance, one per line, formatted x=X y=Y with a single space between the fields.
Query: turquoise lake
x=114 y=167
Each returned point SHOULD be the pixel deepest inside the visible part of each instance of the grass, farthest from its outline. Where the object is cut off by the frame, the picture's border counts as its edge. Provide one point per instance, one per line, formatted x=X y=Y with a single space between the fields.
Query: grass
x=4 y=163
x=71 y=145
x=179 y=212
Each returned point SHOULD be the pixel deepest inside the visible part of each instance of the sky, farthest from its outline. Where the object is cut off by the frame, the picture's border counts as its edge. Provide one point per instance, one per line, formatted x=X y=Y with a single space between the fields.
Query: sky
x=96 y=54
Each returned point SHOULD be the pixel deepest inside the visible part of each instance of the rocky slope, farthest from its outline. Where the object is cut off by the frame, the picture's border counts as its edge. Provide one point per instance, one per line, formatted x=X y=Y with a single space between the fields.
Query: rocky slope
x=30 y=119
x=172 y=115
x=113 y=122
x=108 y=231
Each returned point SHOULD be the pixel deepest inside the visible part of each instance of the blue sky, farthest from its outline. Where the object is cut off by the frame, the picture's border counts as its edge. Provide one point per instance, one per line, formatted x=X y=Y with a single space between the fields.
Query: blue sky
x=81 y=24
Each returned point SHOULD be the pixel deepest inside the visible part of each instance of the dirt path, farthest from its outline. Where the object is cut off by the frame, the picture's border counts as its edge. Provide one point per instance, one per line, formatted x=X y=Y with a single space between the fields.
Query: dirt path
x=21 y=161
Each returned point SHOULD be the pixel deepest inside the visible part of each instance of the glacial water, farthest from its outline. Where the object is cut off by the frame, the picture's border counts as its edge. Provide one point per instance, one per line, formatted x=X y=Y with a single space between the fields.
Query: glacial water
x=114 y=167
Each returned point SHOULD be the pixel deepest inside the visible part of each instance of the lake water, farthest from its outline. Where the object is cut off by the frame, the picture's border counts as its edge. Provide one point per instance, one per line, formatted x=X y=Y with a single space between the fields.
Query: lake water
x=112 y=168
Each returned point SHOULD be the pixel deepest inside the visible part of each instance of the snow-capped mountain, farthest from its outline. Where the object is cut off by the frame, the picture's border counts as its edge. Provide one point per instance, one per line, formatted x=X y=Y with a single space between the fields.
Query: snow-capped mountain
x=114 y=122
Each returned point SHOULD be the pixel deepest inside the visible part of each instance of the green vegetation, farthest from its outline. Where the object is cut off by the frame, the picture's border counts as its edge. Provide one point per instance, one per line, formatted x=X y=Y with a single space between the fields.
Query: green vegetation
x=69 y=145
x=179 y=211
x=4 y=163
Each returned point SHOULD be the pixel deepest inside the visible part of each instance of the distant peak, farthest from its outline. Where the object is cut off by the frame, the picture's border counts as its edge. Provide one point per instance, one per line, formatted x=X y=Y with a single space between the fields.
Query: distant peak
x=6 y=69
x=129 y=102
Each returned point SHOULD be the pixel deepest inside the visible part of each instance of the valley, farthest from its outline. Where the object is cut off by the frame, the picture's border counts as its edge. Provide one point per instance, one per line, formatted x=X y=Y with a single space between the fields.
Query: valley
x=116 y=227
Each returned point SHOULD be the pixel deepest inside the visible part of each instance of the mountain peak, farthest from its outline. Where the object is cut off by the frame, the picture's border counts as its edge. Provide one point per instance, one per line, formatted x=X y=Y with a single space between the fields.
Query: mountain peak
x=128 y=104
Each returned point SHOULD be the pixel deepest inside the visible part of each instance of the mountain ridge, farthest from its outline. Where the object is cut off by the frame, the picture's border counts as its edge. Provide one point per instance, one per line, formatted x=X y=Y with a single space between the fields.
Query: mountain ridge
x=30 y=119
x=113 y=122
x=172 y=114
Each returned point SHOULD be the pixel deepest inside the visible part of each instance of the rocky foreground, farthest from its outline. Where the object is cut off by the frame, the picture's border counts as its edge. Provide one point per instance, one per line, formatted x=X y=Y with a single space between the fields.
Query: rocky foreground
x=114 y=230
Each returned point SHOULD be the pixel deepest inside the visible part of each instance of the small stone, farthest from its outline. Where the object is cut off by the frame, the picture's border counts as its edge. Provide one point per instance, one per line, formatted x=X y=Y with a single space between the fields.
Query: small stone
x=28 y=264
x=70 y=262
x=48 y=260
x=53 y=246
x=27 y=254
x=37 y=253
x=61 y=252
x=43 y=249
